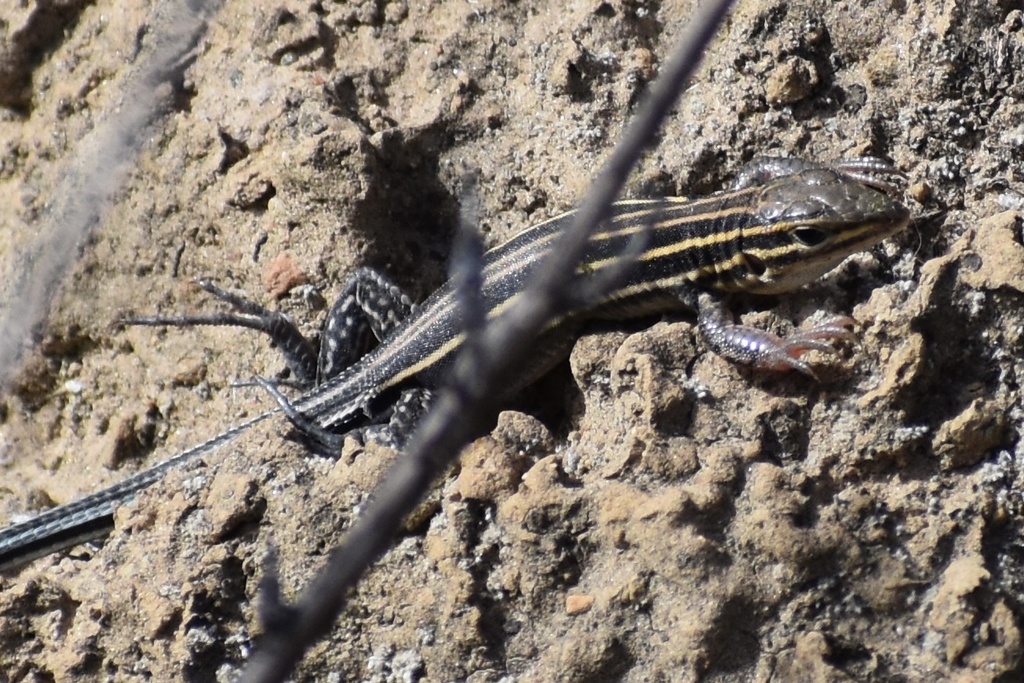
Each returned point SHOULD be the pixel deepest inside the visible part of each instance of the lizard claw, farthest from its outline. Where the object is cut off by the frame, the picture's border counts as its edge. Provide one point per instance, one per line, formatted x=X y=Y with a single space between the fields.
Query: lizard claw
x=786 y=353
x=768 y=351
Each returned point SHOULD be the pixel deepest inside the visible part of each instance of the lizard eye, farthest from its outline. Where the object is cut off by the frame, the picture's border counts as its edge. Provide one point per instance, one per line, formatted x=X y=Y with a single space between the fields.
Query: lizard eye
x=808 y=235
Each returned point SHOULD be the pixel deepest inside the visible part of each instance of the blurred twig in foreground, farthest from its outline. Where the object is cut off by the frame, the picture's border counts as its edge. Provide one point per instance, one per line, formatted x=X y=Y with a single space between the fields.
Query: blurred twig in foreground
x=465 y=406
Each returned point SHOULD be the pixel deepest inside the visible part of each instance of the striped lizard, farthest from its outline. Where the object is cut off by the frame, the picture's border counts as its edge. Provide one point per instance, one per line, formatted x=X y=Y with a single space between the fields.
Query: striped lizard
x=783 y=224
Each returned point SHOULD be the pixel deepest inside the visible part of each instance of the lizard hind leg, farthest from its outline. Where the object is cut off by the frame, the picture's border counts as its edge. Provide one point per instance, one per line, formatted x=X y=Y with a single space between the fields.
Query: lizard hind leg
x=369 y=304
x=391 y=428
x=299 y=353
x=394 y=427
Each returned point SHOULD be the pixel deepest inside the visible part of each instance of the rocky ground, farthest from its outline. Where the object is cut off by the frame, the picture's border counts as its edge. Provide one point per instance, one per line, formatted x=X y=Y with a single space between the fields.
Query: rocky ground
x=652 y=513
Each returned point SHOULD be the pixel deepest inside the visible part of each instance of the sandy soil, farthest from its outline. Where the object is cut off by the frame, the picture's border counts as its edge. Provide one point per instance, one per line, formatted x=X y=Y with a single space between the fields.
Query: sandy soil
x=654 y=514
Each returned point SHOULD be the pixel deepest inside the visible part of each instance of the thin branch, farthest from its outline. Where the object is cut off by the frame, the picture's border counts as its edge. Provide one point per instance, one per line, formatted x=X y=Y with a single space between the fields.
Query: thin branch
x=467 y=267
x=463 y=408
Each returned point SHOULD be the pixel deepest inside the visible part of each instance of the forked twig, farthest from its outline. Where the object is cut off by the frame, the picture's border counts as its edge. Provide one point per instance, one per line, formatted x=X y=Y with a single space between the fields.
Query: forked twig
x=462 y=409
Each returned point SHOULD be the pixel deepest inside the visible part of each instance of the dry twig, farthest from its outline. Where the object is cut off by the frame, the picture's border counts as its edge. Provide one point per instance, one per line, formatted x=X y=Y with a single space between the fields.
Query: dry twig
x=465 y=406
